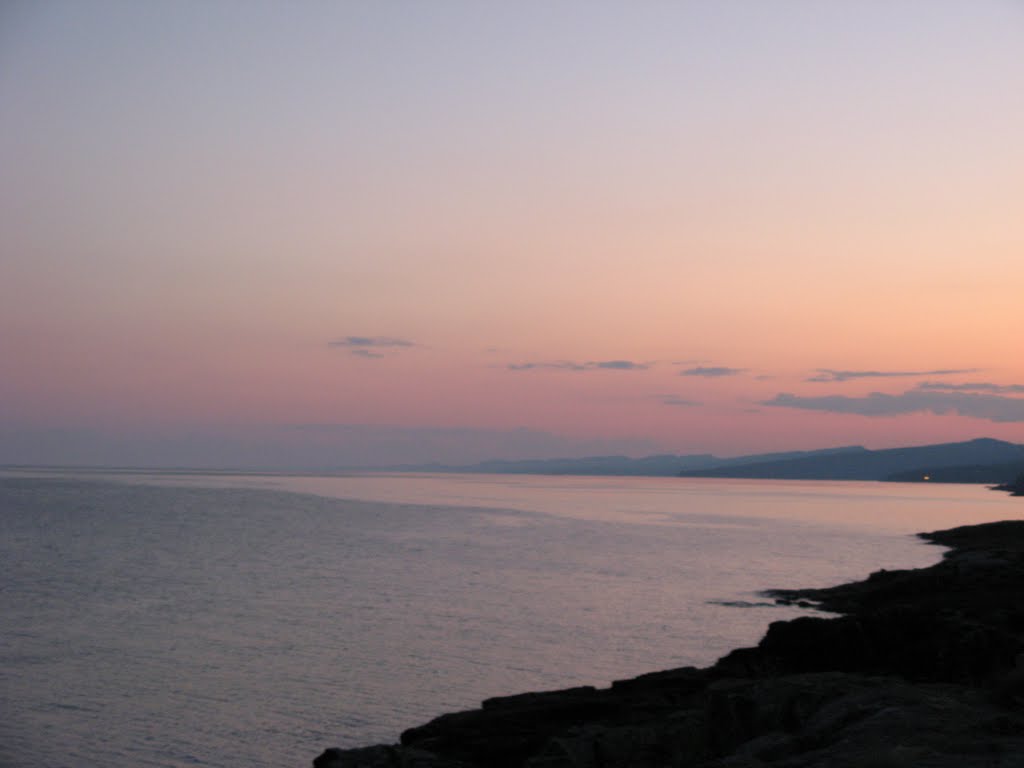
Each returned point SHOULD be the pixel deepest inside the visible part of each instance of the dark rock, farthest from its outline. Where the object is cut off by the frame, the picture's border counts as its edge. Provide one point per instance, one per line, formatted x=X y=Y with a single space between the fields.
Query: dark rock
x=369 y=757
x=381 y=757
x=683 y=680
x=507 y=730
x=1015 y=488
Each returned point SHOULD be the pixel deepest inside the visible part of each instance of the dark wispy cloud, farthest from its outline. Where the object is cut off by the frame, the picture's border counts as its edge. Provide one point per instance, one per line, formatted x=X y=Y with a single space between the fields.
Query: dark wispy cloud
x=829 y=375
x=676 y=400
x=568 y=365
x=973 y=386
x=976 y=406
x=712 y=371
x=362 y=342
x=563 y=365
x=620 y=365
x=370 y=347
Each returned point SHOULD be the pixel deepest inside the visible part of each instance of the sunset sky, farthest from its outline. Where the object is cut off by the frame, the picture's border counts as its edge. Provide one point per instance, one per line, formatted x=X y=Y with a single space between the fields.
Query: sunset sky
x=283 y=234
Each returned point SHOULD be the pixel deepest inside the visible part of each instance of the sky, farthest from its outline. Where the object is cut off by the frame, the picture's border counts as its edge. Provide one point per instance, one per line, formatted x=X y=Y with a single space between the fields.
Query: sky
x=360 y=233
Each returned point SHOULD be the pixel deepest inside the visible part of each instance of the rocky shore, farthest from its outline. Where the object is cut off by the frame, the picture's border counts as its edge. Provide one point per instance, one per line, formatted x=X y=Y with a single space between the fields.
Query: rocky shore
x=921 y=667
x=1016 y=488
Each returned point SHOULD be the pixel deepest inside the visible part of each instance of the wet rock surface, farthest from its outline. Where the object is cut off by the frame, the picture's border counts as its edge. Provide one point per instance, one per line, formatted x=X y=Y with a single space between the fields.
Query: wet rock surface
x=922 y=668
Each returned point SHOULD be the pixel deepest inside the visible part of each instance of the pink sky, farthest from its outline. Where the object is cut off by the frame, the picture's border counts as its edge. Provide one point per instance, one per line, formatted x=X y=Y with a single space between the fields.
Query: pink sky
x=476 y=231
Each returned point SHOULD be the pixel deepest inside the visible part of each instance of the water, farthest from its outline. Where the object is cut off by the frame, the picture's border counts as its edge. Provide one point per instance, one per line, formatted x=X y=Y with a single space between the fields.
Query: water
x=216 y=620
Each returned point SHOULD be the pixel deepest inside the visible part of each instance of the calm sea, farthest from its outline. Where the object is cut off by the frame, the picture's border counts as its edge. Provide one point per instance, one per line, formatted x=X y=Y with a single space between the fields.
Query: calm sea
x=217 y=620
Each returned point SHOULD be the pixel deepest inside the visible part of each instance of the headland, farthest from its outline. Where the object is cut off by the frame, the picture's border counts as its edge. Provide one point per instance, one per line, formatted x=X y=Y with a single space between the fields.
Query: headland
x=920 y=667
x=1014 y=488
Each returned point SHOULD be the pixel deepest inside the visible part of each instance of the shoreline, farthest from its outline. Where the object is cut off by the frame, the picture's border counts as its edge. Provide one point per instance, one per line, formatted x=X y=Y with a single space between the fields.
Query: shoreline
x=921 y=667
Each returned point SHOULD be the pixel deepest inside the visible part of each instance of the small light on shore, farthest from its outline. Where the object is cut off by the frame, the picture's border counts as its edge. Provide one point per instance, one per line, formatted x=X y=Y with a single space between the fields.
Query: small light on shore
x=927 y=477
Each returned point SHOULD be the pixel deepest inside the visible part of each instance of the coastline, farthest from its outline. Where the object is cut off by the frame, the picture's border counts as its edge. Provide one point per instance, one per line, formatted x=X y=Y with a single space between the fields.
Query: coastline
x=921 y=667
x=1015 y=488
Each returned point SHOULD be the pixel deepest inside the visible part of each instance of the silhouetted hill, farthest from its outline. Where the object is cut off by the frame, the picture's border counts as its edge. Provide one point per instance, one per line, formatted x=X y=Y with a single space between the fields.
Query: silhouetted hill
x=1015 y=487
x=987 y=474
x=666 y=465
x=875 y=465
x=660 y=465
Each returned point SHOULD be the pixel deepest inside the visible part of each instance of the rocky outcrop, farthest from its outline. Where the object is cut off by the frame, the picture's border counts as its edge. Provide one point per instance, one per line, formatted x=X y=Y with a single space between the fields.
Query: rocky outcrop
x=1016 y=488
x=922 y=668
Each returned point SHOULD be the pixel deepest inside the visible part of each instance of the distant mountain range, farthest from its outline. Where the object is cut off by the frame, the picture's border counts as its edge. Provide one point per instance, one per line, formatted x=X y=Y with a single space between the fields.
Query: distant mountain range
x=975 y=461
x=660 y=465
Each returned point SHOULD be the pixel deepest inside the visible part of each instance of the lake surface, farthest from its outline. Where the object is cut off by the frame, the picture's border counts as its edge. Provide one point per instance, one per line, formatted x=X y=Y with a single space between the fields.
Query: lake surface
x=169 y=619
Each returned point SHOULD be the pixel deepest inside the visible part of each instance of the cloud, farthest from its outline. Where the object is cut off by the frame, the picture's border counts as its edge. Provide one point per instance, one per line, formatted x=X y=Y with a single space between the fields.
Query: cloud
x=568 y=365
x=362 y=342
x=559 y=366
x=829 y=375
x=975 y=386
x=675 y=400
x=367 y=346
x=620 y=365
x=976 y=406
x=712 y=371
